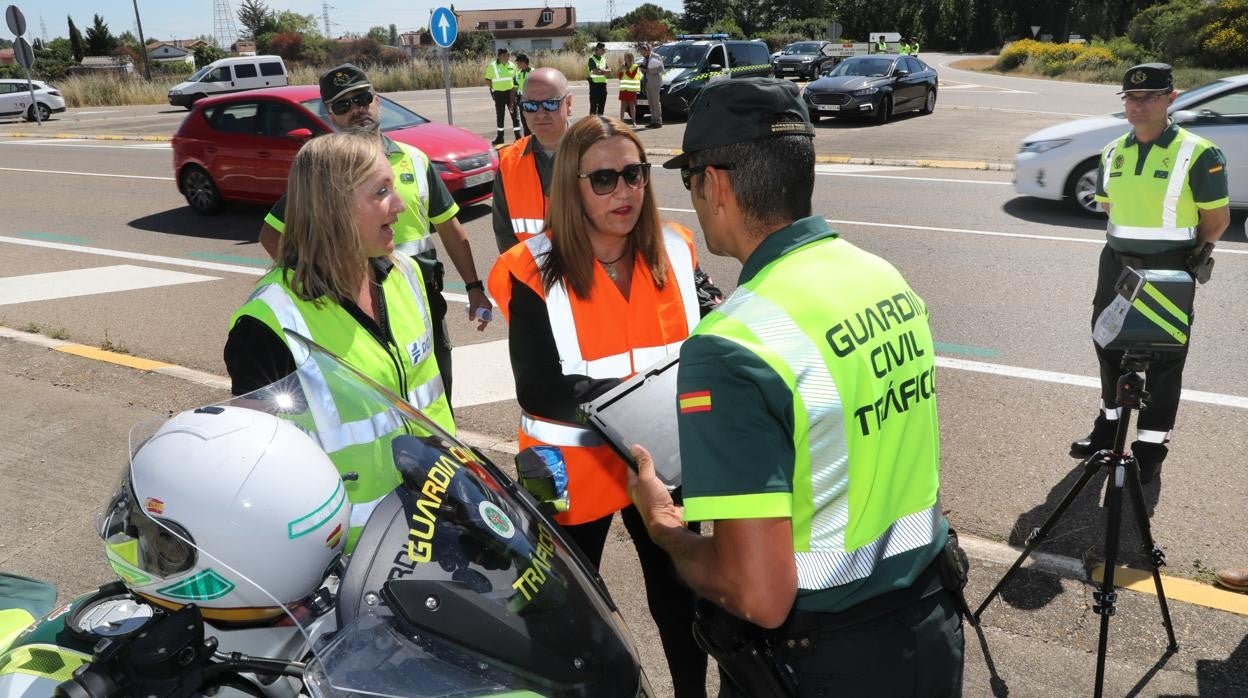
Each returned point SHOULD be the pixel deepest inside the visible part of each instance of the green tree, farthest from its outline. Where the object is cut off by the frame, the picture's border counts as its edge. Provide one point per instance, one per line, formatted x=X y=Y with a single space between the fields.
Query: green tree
x=699 y=14
x=475 y=45
x=392 y=37
x=75 y=41
x=287 y=21
x=378 y=34
x=646 y=12
x=207 y=53
x=256 y=18
x=100 y=41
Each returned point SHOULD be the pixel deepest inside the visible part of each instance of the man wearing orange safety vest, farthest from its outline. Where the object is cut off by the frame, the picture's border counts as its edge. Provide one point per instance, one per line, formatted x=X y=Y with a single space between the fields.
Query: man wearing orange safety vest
x=525 y=166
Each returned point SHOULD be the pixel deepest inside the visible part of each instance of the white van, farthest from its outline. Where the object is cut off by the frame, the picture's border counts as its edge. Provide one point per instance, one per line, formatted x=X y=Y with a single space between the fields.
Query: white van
x=229 y=75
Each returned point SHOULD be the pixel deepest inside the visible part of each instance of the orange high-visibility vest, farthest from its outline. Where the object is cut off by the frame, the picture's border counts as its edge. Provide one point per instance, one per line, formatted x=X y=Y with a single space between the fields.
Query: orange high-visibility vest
x=522 y=187
x=603 y=336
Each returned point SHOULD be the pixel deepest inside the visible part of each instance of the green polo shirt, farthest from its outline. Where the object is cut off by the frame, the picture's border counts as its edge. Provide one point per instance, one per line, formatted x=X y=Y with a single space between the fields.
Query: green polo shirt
x=743 y=444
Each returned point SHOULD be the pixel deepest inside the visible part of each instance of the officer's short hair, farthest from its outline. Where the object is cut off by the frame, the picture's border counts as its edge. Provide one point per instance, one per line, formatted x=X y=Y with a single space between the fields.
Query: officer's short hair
x=522 y=58
x=503 y=52
x=772 y=178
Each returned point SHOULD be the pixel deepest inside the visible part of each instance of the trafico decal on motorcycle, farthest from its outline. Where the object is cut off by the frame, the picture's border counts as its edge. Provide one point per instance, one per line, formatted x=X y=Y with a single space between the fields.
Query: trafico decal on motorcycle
x=531 y=580
x=424 y=518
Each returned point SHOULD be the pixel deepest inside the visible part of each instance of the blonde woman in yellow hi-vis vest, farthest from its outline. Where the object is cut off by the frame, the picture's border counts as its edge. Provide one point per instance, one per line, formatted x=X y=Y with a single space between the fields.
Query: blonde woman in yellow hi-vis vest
x=630 y=85
x=1166 y=193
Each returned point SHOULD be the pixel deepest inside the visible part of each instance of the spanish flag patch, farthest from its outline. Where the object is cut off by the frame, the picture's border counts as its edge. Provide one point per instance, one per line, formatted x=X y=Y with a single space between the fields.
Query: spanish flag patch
x=698 y=401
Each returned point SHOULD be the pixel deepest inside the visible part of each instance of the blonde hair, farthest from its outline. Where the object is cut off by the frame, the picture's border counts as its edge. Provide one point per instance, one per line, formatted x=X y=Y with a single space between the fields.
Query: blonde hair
x=320 y=249
x=571 y=257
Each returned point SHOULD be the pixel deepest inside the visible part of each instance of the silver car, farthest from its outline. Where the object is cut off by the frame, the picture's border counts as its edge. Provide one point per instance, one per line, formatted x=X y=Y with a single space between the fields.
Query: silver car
x=1060 y=162
x=15 y=100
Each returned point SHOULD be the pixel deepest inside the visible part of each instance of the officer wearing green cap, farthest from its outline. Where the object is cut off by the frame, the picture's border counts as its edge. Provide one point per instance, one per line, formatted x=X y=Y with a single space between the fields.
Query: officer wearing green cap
x=1165 y=191
x=808 y=430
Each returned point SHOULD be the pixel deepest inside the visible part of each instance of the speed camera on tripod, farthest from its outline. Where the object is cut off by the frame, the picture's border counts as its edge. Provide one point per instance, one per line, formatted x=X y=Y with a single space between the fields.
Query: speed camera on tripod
x=1152 y=312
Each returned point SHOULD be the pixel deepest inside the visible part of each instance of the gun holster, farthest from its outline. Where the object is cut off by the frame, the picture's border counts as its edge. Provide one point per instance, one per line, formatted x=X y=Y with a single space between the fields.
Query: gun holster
x=1200 y=263
x=744 y=653
x=954 y=569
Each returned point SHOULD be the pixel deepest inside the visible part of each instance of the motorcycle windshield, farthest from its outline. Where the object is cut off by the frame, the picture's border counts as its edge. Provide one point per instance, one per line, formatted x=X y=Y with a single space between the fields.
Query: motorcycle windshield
x=458 y=584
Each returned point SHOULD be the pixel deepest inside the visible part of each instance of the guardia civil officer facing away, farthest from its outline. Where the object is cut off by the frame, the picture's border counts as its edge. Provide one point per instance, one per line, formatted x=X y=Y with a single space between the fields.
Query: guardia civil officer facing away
x=808 y=433
x=1166 y=193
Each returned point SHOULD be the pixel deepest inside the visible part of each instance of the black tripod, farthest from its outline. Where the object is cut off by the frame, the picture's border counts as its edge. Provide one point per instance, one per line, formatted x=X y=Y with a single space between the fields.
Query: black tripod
x=1123 y=470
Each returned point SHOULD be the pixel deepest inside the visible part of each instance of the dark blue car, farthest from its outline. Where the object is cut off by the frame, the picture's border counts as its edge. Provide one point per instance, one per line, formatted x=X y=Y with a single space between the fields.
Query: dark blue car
x=875 y=86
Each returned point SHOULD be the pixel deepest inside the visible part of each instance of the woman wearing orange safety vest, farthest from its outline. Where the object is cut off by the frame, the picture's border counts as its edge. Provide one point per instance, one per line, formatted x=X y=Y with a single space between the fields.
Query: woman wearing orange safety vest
x=605 y=291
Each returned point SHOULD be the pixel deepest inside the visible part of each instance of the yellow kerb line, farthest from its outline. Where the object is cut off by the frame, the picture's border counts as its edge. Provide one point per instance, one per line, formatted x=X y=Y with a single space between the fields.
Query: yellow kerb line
x=1179 y=589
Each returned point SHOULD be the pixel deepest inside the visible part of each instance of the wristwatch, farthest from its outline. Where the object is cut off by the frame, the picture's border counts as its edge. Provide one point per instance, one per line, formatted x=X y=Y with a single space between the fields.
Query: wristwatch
x=472 y=285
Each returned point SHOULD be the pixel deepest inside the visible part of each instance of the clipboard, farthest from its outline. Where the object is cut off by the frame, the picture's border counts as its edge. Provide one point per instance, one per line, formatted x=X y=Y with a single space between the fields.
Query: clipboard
x=642 y=410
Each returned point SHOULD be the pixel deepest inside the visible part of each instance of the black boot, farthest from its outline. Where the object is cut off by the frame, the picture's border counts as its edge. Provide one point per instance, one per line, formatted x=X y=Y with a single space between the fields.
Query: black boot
x=1101 y=438
x=1149 y=455
x=498 y=140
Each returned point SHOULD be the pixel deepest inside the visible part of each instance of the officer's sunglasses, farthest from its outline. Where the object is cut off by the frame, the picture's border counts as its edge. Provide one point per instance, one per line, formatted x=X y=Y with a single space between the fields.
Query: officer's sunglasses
x=687 y=173
x=532 y=105
x=342 y=106
x=604 y=182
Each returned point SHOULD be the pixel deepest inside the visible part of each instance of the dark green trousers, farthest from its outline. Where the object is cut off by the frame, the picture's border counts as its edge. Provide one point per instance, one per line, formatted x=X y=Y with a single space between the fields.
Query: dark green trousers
x=914 y=652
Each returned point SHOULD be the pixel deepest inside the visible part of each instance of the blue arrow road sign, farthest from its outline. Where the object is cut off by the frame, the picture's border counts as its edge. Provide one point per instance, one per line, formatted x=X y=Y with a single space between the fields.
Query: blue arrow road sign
x=444 y=26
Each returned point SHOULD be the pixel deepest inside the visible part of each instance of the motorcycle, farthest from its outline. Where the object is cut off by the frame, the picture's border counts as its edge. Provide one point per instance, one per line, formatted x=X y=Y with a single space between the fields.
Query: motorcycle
x=459 y=585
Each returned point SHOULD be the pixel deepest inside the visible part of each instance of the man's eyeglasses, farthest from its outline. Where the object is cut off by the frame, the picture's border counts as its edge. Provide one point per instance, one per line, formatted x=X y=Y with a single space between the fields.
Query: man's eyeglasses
x=687 y=173
x=1142 y=97
x=342 y=106
x=531 y=106
x=604 y=182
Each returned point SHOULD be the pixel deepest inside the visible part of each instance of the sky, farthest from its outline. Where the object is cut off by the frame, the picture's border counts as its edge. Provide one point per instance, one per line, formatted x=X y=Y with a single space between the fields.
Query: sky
x=179 y=19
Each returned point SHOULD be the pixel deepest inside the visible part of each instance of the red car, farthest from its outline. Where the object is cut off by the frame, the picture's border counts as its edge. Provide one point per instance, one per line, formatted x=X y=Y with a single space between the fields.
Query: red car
x=238 y=147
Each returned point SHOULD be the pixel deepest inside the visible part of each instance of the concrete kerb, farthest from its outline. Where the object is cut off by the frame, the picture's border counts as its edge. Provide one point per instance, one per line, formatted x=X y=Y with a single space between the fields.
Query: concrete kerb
x=884 y=162
x=86 y=136
x=980 y=549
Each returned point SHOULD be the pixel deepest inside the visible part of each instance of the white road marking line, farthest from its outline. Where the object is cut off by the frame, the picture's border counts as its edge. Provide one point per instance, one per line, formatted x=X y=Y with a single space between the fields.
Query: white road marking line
x=482 y=373
x=89 y=282
x=75 y=143
x=85 y=174
x=835 y=168
x=172 y=261
x=961 y=231
x=106 y=111
x=916 y=179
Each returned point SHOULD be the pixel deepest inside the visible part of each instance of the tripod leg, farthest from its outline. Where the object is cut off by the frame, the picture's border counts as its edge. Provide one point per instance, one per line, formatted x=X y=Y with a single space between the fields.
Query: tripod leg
x=1150 y=547
x=1090 y=466
x=1107 y=597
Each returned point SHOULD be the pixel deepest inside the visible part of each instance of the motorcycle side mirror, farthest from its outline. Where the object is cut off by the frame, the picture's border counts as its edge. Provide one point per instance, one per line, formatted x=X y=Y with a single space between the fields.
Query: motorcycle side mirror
x=542 y=472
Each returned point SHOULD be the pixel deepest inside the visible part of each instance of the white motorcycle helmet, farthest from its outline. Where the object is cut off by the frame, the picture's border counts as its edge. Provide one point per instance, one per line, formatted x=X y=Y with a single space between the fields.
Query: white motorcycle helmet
x=221 y=503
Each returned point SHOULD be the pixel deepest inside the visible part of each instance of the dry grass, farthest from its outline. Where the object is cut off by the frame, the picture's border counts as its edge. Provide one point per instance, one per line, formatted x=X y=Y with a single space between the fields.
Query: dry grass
x=417 y=74
x=1184 y=78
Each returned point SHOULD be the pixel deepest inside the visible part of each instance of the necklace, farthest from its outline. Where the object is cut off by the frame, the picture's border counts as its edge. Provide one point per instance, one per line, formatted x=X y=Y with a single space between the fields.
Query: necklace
x=609 y=267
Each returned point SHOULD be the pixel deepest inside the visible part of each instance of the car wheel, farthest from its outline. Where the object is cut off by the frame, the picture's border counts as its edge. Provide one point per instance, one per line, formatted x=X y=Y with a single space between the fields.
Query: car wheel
x=885 y=110
x=191 y=104
x=1081 y=187
x=44 y=112
x=929 y=102
x=200 y=191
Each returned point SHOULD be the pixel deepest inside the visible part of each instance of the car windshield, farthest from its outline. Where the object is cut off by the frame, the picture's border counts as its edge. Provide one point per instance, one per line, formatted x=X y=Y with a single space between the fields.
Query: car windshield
x=199 y=74
x=393 y=115
x=682 y=55
x=868 y=67
x=808 y=47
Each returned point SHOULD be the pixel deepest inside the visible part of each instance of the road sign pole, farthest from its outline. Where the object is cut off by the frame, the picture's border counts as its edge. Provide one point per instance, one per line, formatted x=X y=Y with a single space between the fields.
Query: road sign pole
x=446 y=81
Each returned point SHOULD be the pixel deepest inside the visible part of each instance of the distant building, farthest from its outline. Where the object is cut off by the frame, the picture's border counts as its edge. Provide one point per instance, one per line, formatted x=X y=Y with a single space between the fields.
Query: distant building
x=515 y=29
x=175 y=51
x=121 y=65
x=243 y=48
x=8 y=56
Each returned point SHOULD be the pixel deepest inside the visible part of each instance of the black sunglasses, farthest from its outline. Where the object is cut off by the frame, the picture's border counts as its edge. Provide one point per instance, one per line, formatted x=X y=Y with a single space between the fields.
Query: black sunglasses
x=604 y=182
x=687 y=173
x=531 y=106
x=342 y=106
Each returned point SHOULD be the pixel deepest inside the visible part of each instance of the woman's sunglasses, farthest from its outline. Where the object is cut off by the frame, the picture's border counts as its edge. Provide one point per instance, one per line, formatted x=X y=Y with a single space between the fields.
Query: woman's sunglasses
x=531 y=106
x=342 y=106
x=604 y=182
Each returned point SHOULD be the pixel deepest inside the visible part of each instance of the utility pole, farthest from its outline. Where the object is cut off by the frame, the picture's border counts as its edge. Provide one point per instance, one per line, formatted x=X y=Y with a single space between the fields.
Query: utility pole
x=325 y=16
x=43 y=31
x=147 y=64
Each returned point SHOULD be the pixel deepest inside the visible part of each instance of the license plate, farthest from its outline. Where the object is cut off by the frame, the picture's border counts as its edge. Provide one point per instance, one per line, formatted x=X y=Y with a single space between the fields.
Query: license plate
x=787 y=70
x=828 y=107
x=479 y=178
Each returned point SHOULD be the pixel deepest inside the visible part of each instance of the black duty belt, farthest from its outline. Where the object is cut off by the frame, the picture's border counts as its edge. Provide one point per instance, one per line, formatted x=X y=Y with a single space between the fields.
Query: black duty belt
x=1172 y=259
x=927 y=584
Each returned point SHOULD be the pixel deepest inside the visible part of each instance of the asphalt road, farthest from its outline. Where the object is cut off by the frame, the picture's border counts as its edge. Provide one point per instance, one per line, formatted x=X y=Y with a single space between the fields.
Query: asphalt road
x=1008 y=282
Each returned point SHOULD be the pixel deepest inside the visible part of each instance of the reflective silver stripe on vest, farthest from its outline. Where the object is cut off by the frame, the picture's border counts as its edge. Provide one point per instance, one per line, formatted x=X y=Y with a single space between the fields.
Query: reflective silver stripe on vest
x=1178 y=177
x=412 y=248
x=1135 y=232
x=558 y=433
x=827 y=564
x=424 y=395
x=360 y=512
x=1105 y=162
x=528 y=226
x=563 y=324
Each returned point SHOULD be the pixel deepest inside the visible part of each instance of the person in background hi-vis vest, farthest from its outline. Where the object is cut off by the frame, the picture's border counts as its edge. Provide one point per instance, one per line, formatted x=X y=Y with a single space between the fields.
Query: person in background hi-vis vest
x=500 y=74
x=630 y=85
x=522 y=73
x=598 y=74
x=1165 y=190
x=817 y=458
x=339 y=282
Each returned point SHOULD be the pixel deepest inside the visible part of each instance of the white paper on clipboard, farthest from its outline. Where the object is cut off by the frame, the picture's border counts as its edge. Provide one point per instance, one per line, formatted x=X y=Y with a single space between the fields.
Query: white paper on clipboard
x=642 y=410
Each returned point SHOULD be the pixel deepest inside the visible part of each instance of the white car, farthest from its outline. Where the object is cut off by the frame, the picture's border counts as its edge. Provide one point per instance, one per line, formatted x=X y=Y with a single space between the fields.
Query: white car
x=1060 y=162
x=15 y=100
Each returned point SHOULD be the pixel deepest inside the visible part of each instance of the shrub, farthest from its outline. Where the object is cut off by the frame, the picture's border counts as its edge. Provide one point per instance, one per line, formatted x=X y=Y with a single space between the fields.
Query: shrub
x=1126 y=51
x=1225 y=44
x=1093 y=58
